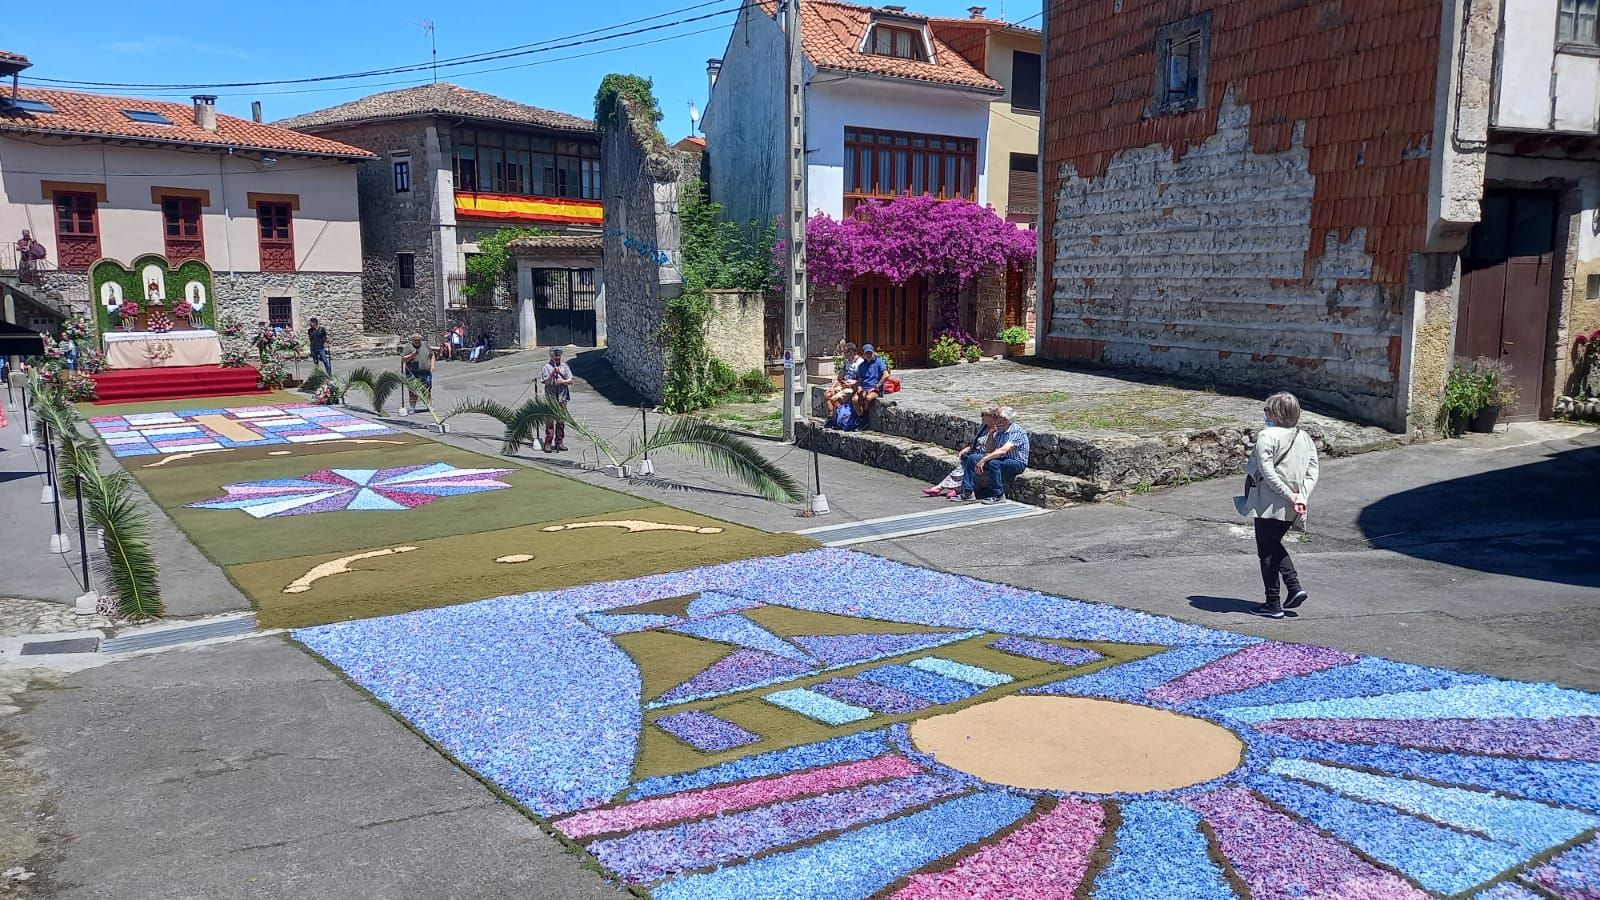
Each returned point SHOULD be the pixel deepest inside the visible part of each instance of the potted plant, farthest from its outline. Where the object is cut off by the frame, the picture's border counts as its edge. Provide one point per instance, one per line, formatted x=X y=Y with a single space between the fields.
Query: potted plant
x=1467 y=390
x=1016 y=340
x=945 y=352
x=1499 y=392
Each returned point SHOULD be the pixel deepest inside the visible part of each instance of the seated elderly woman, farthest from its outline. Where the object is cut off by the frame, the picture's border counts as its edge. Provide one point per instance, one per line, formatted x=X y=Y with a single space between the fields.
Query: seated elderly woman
x=1005 y=459
x=981 y=443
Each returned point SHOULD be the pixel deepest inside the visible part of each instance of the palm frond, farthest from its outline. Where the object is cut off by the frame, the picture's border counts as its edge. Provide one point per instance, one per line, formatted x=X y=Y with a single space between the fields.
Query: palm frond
x=727 y=453
x=377 y=388
x=491 y=408
x=129 y=565
x=76 y=455
x=422 y=393
x=384 y=388
x=530 y=418
x=318 y=378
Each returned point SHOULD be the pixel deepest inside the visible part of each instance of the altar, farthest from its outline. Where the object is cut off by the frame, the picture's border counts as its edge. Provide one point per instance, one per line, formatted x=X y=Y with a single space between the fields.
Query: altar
x=162 y=349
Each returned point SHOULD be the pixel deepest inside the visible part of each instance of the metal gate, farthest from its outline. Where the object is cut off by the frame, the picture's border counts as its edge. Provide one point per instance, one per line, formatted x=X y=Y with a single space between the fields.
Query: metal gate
x=563 y=307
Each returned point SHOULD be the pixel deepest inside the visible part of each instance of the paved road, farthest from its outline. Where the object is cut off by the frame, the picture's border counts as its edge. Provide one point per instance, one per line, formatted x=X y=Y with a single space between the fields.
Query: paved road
x=248 y=769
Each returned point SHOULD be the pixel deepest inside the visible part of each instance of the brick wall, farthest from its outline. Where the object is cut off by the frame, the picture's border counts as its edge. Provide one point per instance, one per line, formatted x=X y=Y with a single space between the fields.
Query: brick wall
x=1263 y=238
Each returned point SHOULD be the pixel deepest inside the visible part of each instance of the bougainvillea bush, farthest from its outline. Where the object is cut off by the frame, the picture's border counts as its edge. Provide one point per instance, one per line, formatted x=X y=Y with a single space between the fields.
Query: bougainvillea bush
x=910 y=236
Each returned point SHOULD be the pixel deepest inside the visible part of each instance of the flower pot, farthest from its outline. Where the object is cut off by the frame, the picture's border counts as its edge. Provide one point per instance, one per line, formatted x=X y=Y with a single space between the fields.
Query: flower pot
x=995 y=348
x=1016 y=349
x=1484 y=420
x=1456 y=424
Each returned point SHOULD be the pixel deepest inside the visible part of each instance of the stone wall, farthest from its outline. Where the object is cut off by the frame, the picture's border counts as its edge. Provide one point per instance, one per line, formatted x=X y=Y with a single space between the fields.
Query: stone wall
x=642 y=262
x=1262 y=237
x=825 y=325
x=736 y=331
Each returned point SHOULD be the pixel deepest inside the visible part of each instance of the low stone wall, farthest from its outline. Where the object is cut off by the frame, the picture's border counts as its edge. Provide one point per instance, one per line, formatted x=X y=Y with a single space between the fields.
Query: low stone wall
x=928 y=464
x=736 y=332
x=1109 y=462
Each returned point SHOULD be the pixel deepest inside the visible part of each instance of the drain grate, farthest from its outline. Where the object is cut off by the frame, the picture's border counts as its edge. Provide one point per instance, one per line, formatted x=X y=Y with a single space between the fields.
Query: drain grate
x=70 y=645
x=146 y=640
x=920 y=523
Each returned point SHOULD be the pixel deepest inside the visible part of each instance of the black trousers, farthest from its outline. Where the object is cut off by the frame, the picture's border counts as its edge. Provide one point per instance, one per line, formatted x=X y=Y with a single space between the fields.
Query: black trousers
x=1275 y=561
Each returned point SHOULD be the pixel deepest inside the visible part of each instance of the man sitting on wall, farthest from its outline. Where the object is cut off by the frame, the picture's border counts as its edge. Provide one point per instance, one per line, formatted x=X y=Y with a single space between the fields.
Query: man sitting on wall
x=844 y=380
x=869 y=382
x=1006 y=461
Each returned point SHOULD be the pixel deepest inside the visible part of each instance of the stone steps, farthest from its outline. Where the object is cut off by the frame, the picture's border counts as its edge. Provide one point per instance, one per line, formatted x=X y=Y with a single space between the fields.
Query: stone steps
x=930 y=464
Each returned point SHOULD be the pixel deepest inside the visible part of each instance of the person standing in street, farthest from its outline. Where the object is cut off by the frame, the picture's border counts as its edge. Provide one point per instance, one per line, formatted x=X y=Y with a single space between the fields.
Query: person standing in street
x=556 y=376
x=1278 y=481
x=318 y=336
x=416 y=361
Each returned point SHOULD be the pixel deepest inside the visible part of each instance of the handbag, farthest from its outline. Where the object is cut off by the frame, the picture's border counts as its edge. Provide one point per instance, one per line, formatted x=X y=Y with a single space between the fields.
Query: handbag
x=891 y=385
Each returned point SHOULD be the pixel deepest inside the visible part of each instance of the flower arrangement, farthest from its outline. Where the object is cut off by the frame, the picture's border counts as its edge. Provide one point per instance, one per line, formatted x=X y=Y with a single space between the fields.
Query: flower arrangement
x=232 y=327
x=91 y=361
x=76 y=386
x=273 y=374
x=158 y=322
x=54 y=349
x=183 y=310
x=127 y=312
x=234 y=358
x=76 y=328
x=288 y=343
x=326 y=395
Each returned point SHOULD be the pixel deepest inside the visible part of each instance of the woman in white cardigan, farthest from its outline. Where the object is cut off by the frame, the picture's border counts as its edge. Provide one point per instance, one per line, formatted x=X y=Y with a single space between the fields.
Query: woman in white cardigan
x=1279 y=479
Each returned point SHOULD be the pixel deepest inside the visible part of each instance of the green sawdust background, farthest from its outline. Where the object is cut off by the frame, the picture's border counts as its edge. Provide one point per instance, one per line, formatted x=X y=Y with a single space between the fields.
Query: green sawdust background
x=231 y=537
x=460 y=568
x=666 y=660
x=175 y=461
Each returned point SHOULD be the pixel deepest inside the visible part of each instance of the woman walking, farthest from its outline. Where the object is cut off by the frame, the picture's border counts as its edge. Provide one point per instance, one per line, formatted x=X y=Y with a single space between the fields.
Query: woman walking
x=1278 y=482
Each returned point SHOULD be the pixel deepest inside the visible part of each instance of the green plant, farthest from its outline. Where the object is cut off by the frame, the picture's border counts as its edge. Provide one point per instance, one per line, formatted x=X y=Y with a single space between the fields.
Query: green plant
x=888 y=361
x=709 y=445
x=972 y=353
x=945 y=352
x=720 y=377
x=638 y=92
x=377 y=388
x=490 y=271
x=1471 y=386
x=756 y=382
x=1013 y=335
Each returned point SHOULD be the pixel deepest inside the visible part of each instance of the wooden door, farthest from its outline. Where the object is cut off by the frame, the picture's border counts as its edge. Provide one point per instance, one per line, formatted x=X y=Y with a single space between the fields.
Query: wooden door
x=1507 y=270
x=1016 y=299
x=892 y=318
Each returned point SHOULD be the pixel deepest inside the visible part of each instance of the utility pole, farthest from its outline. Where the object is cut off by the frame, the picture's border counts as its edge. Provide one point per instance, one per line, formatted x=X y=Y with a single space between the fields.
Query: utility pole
x=795 y=387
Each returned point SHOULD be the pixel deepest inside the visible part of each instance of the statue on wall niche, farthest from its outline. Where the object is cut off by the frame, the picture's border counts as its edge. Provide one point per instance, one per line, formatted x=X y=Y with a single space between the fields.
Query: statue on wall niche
x=195 y=293
x=155 y=284
x=111 y=295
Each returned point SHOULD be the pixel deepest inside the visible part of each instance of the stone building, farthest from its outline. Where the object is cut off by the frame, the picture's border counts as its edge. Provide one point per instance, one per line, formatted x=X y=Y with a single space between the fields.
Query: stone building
x=897 y=103
x=454 y=165
x=1333 y=198
x=272 y=212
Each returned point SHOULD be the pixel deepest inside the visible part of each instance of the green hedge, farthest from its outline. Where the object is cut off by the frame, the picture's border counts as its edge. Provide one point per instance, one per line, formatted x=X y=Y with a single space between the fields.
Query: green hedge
x=110 y=270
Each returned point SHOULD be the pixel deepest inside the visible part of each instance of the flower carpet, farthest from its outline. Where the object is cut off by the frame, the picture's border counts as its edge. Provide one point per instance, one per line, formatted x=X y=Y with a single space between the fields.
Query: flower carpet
x=758 y=729
x=319 y=515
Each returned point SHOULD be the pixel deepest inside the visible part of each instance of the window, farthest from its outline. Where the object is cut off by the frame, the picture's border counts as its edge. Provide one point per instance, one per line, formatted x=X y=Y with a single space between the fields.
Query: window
x=1575 y=22
x=1025 y=81
x=280 y=312
x=893 y=164
x=405 y=266
x=25 y=105
x=508 y=163
x=77 y=230
x=274 y=223
x=1183 y=52
x=184 y=240
x=146 y=117
x=1022 y=193
x=402 y=176
x=891 y=40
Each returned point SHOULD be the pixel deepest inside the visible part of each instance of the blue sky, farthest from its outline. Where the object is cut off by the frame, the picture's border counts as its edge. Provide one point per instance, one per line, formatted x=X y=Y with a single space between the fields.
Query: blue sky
x=188 y=42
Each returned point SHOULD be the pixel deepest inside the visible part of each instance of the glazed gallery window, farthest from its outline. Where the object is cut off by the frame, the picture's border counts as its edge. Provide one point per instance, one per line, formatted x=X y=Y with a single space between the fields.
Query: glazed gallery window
x=1183 y=51
x=181 y=224
x=405 y=267
x=497 y=162
x=275 y=229
x=77 y=230
x=896 y=163
x=1576 y=22
x=903 y=43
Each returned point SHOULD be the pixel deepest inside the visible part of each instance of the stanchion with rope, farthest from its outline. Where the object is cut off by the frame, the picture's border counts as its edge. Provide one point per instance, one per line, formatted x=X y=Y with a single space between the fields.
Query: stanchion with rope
x=88 y=603
x=58 y=539
x=646 y=467
x=819 y=500
x=48 y=491
x=27 y=431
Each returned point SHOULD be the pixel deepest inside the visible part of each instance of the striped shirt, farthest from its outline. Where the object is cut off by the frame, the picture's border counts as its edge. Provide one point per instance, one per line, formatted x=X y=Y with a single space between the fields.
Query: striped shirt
x=1015 y=436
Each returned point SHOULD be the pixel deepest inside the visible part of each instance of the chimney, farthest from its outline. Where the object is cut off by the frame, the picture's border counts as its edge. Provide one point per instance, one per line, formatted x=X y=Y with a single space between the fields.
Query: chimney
x=976 y=11
x=900 y=10
x=713 y=69
x=255 y=110
x=205 y=111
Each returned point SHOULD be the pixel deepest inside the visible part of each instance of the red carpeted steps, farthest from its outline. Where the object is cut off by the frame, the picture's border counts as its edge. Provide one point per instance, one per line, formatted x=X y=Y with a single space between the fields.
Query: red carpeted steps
x=175 y=383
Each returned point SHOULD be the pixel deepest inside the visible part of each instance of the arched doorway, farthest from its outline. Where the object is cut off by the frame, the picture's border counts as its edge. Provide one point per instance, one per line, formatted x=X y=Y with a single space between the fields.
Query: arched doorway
x=891 y=317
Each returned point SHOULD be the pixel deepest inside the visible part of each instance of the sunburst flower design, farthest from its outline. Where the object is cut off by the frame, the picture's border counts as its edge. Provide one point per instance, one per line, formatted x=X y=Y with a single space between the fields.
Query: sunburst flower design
x=327 y=490
x=856 y=727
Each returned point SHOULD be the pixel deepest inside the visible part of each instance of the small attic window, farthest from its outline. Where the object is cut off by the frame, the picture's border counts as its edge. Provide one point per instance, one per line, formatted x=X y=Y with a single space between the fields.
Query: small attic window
x=902 y=43
x=32 y=106
x=146 y=116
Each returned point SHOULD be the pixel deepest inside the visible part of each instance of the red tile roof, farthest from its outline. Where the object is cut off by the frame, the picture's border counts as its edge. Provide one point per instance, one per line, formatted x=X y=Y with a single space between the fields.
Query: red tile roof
x=440 y=99
x=834 y=32
x=9 y=57
x=98 y=115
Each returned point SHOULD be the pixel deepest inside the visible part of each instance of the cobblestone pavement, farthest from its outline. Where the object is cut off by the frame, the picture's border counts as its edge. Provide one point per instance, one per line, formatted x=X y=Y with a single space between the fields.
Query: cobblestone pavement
x=23 y=617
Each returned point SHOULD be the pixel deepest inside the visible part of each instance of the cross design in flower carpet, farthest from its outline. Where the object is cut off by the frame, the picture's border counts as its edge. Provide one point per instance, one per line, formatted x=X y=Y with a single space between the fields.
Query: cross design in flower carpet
x=327 y=490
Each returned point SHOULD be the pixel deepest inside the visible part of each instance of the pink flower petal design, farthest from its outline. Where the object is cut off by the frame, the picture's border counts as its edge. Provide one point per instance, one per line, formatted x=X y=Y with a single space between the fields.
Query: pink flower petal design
x=1046 y=858
x=1248 y=668
x=1567 y=738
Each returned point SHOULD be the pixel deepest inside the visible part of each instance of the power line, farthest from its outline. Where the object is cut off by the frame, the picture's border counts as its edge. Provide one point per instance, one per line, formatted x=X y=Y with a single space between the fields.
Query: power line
x=486 y=56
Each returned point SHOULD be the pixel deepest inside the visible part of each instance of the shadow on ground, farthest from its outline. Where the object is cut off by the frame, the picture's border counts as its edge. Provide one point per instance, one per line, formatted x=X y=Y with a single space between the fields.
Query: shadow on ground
x=1537 y=521
x=595 y=368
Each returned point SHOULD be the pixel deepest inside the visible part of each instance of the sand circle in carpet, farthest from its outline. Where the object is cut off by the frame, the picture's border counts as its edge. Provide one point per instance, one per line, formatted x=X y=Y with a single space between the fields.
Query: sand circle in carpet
x=1079 y=745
